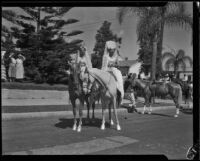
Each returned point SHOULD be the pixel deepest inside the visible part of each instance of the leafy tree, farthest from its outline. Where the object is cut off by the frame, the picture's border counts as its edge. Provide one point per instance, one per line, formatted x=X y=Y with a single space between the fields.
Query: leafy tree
x=103 y=34
x=44 y=46
x=176 y=59
x=152 y=21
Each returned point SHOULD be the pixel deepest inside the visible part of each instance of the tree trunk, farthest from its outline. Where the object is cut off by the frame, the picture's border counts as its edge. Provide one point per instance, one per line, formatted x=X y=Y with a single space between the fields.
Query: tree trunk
x=160 y=45
x=153 y=65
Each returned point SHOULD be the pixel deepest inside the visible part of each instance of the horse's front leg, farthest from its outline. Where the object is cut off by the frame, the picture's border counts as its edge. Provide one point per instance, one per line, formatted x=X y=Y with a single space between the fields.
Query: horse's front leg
x=150 y=102
x=177 y=107
x=110 y=117
x=88 y=111
x=80 y=114
x=74 y=113
x=103 y=116
x=115 y=113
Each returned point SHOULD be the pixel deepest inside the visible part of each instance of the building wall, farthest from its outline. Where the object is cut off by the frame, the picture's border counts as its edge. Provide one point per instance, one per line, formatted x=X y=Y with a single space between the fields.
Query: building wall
x=124 y=70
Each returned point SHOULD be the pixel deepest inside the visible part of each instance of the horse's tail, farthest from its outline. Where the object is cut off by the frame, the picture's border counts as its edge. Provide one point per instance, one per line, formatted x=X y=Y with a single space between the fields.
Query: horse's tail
x=119 y=98
x=180 y=96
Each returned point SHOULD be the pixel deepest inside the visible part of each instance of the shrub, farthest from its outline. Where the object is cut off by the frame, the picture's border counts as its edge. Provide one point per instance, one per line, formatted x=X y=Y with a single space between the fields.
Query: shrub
x=38 y=79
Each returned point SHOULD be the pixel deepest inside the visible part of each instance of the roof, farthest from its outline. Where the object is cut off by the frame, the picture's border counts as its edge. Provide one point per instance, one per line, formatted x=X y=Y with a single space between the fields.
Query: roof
x=127 y=63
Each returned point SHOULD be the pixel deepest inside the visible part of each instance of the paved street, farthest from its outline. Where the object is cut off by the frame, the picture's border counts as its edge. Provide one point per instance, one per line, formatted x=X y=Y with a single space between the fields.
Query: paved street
x=159 y=133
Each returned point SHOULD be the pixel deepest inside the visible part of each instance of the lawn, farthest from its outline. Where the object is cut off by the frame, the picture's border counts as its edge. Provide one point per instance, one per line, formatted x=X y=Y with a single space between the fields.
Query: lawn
x=33 y=86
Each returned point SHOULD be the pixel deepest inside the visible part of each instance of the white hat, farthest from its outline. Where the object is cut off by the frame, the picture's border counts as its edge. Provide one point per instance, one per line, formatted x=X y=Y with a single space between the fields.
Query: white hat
x=111 y=45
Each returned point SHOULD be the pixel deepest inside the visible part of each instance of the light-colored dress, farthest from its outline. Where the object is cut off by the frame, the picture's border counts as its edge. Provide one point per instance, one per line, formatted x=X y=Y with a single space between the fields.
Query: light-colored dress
x=107 y=65
x=3 y=70
x=12 y=68
x=19 y=68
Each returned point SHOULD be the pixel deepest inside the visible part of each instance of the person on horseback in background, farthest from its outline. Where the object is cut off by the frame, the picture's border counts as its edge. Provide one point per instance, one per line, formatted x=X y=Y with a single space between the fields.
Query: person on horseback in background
x=109 y=63
x=129 y=93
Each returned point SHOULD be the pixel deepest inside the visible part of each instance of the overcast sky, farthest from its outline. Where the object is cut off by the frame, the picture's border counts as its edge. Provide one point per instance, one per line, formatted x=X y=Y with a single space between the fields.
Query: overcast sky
x=91 y=19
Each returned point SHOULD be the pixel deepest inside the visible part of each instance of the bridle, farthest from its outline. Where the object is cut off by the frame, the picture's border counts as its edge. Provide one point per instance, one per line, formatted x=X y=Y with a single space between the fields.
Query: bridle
x=86 y=81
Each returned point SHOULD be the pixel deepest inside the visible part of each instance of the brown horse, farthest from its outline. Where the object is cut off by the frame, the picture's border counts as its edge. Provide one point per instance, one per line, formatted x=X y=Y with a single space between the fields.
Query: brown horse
x=152 y=89
x=76 y=92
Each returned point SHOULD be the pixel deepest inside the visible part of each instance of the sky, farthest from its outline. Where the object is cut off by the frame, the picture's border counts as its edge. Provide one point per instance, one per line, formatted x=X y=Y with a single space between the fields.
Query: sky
x=91 y=19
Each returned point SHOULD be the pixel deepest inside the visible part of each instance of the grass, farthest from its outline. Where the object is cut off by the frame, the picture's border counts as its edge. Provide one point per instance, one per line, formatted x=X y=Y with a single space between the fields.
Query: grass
x=33 y=86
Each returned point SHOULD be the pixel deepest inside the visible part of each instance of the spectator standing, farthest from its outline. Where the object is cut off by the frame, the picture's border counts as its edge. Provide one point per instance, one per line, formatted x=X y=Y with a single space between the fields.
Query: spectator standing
x=12 y=68
x=19 y=67
x=3 y=69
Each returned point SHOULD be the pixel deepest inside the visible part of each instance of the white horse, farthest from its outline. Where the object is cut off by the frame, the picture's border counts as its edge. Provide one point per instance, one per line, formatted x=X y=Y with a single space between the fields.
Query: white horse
x=110 y=94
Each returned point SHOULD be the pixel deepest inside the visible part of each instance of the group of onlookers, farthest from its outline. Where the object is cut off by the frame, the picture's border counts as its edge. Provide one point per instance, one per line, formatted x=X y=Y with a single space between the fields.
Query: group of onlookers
x=16 y=68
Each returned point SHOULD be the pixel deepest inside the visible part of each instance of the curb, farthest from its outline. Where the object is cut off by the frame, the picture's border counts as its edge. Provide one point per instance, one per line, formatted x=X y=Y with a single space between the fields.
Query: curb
x=10 y=116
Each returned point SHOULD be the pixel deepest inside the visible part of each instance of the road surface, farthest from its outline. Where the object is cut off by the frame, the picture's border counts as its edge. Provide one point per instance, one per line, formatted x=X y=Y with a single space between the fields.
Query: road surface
x=158 y=133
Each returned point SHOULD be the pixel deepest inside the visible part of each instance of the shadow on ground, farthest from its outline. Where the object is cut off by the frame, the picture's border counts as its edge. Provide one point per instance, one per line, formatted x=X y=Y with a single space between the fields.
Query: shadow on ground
x=159 y=114
x=68 y=123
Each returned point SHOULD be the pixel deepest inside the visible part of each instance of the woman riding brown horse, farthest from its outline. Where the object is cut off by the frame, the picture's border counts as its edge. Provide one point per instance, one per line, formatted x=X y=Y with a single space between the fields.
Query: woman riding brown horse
x=152 y=89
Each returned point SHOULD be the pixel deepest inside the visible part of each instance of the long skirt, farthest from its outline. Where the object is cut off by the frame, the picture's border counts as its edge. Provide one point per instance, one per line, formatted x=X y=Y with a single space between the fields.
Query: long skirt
x=19 y=71
x=12 y=70
x=120 y=84
x=3 y=72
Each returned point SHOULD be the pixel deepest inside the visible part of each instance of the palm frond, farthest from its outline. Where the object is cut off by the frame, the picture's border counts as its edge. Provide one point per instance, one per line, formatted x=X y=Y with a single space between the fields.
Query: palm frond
x=181 y=62
x=169 y=62
x=126 y=11
x=167 y=55
x=187 y=58
x=180 y=20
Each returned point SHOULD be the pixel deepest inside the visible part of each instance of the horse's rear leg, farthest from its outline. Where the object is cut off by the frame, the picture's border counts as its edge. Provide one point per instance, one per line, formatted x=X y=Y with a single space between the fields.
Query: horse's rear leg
x=80 y=115
x=177 y=106
x=115 y=113
x=150 y=102
x=110 y=113
x=74 y=113
x=103 y=116
x=88 y=111
x=93 y=107
x=144 y=109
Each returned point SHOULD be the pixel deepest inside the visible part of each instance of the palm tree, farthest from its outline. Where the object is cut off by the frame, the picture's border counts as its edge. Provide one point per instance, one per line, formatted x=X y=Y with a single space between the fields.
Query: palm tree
x=153 y=20
x=176 y=59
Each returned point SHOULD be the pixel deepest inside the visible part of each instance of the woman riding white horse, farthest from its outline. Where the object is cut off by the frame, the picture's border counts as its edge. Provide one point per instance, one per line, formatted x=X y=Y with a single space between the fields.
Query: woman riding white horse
x=110 y=61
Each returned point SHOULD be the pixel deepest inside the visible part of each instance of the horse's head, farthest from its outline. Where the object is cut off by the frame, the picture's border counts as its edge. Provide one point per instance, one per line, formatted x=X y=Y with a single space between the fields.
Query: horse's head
x=86 y=79
x=133 y=79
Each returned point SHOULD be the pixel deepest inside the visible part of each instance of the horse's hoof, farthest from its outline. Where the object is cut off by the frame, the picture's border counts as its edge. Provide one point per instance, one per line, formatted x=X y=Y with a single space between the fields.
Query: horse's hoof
x=143 y=112
x=175 y=115
x=118 y=127
x=111 y=122
x=102 y=127
x=79 y=129
x=74 y=127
